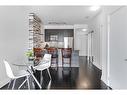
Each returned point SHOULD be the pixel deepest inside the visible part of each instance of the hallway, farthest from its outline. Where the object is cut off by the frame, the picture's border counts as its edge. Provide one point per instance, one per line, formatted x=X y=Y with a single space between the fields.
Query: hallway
x=86 y=76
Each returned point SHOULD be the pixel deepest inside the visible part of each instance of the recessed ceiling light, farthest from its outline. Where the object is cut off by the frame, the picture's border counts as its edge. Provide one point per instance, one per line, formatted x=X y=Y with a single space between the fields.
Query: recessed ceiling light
x=94 y=8
x=84 y=29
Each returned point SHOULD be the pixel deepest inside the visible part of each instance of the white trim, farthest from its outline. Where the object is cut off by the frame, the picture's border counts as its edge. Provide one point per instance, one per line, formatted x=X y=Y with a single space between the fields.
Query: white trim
x=78 y=26
x=58 y=27
x=108 y=52
x=98 y=66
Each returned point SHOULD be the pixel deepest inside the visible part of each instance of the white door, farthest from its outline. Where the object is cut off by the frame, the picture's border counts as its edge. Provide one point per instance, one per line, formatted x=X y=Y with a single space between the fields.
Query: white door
x=118 y=49
x=83 y=45
x=80 y=41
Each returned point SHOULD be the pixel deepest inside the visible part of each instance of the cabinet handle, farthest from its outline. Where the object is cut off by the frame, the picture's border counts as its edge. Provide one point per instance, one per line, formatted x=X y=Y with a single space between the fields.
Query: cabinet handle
x=125 y=59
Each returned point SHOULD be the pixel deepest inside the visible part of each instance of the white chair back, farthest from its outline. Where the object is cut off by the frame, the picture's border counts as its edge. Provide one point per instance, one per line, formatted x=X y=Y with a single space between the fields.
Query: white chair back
x=44 y=63
x=8 y=69
x=47 y=57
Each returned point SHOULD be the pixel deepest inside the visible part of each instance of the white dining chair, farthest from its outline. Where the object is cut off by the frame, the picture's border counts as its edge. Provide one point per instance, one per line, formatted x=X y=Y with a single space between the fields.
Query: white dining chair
x=19 y=74
x=44 y=64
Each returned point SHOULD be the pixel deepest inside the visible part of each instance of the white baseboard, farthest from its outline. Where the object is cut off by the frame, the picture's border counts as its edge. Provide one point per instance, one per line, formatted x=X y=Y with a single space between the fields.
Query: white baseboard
x=98 y=66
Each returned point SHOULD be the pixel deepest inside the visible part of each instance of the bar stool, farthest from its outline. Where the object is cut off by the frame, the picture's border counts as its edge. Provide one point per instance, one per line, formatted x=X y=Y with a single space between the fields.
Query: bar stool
x=66 y=53
x=54 y=53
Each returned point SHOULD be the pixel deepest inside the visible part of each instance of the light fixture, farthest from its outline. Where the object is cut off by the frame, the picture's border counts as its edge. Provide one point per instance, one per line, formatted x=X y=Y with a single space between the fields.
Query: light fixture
x=94 y=8
x=84 y=29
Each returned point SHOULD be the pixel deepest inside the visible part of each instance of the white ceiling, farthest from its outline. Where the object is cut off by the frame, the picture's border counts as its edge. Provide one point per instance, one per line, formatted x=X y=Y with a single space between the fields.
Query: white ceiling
x=67 y=14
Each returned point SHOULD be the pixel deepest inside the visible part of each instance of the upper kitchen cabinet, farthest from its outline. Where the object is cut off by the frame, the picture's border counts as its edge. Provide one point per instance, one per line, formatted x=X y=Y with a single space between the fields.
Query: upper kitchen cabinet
x=55 y=35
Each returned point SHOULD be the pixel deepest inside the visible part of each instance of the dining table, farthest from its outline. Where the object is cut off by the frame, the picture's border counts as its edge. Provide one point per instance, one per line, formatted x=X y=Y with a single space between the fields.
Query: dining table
x=29 y=66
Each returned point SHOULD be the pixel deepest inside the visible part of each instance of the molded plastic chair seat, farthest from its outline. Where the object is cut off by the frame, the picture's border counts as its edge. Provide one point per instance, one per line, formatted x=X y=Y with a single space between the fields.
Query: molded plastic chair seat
x=41 y=67
x=21 y=73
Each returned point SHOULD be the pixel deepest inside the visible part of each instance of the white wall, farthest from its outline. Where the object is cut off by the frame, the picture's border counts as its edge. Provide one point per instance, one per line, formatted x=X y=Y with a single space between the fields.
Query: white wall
x=99 y=24
x=95 y=25
x=13 y=37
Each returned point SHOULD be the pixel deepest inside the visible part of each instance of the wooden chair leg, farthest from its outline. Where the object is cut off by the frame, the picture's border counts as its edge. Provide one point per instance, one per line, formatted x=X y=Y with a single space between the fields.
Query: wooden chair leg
x=57 y=61
x=70 y=62
x=62 y=62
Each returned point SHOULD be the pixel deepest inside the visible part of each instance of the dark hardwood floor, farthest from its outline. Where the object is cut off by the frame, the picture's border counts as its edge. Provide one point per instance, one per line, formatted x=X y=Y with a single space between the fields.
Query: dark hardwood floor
x=87 y=76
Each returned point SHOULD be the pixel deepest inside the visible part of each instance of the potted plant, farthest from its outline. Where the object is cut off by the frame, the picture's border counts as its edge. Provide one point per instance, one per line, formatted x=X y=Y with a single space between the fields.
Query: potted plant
x=30 y=55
